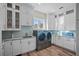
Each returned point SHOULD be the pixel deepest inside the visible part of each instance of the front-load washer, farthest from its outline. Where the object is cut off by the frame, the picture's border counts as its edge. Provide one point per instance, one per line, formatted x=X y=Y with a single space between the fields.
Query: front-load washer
x=49 y=38
x=40 y=40
x=43 y=39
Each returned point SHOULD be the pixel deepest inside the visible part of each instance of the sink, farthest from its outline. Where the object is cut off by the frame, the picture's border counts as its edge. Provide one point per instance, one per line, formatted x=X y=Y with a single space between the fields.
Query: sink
x=27 y=36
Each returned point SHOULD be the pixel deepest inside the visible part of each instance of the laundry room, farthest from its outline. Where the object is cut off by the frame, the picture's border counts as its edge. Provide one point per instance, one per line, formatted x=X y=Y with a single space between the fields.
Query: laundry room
x=38 y=29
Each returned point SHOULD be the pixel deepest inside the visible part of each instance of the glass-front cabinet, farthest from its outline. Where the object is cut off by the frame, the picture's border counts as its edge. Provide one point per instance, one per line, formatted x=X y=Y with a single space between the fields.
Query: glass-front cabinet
x=12 y=16
x=9 y=19
x=17 y=19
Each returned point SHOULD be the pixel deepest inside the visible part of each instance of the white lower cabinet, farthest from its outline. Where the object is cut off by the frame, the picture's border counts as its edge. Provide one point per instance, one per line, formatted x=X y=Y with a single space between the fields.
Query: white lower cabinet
x=65 y=43
x=0 y=51
x=69 y=44
x=8 y=48
x=15 y=47
x=16 y=44
x=28 y=44
x=24 y=45
x=32 y=44
x=58 y=41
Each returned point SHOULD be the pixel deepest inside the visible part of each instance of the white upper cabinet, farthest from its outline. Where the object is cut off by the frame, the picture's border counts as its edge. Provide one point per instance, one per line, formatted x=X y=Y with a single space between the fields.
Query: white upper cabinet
x=26 y=15
x=10 y=16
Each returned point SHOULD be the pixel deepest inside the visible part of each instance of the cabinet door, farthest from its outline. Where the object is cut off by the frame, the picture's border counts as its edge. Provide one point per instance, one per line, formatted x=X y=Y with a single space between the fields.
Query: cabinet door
x=17 y=19
x=9 y=19
x=69 y=44
x=26 y=15
x=8 y=48
x=0 y=51
x=59 y=41
x=29 y=19
x=24 y=45
x=16 y=47
x=32 y=44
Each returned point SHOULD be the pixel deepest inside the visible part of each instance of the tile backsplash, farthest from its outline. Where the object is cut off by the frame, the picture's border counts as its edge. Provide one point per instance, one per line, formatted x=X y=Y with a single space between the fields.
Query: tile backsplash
x=6 y=34
x=25 y=31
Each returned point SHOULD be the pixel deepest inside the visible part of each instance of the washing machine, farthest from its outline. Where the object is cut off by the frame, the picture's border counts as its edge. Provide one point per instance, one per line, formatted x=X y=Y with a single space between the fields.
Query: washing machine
x=43 y=39
x=49 y=38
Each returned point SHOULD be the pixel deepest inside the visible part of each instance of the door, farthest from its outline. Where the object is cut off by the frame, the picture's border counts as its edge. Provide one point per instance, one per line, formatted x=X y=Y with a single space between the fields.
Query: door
x=8 y=48
x=16 y=47
x=24 y=45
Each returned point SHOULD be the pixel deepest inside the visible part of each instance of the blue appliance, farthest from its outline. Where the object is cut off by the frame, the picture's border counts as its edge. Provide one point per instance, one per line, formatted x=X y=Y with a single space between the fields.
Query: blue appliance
x=43 y=39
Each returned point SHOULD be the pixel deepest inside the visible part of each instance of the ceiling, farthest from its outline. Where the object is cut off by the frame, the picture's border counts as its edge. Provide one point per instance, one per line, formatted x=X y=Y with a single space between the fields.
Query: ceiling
x=48 y=7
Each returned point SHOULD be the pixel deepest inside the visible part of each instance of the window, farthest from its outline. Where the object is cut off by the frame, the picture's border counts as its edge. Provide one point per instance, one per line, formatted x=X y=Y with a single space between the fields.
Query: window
x=17 y=7
x=9 y=5
x=9 y=19
x=39 y=23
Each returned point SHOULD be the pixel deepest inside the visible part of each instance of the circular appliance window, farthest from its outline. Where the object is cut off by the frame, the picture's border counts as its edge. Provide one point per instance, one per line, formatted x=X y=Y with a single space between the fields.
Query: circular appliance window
x=42 y=37
x=49 y=36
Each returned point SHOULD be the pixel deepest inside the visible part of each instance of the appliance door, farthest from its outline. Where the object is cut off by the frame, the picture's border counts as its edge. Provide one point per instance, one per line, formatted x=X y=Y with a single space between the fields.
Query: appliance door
x=41 y=37
x=49 y=36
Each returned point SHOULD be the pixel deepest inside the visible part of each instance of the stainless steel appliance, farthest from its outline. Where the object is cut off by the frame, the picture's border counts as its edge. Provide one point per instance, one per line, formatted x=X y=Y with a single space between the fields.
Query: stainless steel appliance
x=43 y=39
